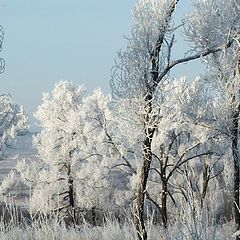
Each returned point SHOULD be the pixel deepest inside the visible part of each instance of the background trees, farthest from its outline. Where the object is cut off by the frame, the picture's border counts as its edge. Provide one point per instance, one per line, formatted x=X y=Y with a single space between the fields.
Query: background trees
x=13 y=121
x=214 y=23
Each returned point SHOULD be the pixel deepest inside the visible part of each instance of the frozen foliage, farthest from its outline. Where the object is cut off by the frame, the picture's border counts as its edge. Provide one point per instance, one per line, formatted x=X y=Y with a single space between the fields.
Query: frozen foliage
x=133 y=74
x=74 y=143
x=213 y=23
x=185 y=135
x=218 y=23
x=13 y=121
x=7 y=184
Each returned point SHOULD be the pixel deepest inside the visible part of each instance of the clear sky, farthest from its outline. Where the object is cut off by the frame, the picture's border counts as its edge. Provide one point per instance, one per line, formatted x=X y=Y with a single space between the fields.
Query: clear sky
x=49 y=40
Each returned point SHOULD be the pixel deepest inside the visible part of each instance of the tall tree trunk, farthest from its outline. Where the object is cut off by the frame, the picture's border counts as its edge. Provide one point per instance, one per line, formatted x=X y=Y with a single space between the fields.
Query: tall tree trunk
x=235 y=139
x=138 y=211
x=71 y=195
x=163 y=208
x=94 y=222
x=235 y=149
x=206 y=178
x=149 y=130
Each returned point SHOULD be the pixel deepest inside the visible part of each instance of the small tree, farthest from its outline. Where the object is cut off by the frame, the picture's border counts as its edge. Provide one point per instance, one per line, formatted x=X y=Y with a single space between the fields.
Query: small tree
x=13 y=120
x=72 y=145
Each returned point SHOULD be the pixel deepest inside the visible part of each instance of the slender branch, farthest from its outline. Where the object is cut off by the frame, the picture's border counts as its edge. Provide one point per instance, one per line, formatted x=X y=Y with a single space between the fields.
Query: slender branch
x=216 y=174
x=156 y=170
x=171 y=196
x=153 y=201
x=175 y=136
x=186 y=160
x=190 y=58
x=60 y=208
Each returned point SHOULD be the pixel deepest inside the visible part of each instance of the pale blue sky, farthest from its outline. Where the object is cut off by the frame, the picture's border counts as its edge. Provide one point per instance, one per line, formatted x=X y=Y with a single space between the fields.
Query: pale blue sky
x=49 y=40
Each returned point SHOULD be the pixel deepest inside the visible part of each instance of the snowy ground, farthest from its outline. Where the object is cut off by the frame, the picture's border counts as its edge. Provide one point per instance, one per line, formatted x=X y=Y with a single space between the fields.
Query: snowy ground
x=20 y=149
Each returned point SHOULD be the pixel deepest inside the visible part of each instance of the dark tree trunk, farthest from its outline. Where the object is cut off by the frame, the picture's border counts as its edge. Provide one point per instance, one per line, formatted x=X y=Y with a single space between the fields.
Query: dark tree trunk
x=138 y=212
x=71 y=195
x=206 y=178
x=163 y=208
x=236 y=168
x=149 y=130
x=235 y=149
x=94 y=222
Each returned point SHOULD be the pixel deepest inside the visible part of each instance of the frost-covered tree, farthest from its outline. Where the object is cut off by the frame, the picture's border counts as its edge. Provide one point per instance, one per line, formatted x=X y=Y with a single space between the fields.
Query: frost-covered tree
x=213 y=23
x=140 y=73
x=7 y=185
x=181 y=139
x=13 y=120
x=52 y=179
x=76 y=151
